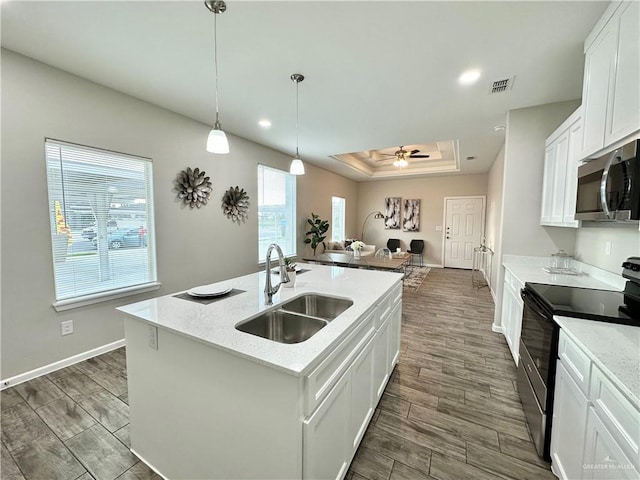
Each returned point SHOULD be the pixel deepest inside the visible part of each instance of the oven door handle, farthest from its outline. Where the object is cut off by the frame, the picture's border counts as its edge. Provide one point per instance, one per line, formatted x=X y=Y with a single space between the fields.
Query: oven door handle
x=603 y=185
x=535 y=304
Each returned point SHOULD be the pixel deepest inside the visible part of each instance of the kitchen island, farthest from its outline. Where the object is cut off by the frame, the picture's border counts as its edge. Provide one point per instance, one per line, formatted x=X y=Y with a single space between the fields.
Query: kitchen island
x=210 y=401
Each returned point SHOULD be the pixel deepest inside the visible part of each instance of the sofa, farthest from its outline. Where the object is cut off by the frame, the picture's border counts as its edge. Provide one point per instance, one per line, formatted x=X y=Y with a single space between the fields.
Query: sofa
x=343 y=246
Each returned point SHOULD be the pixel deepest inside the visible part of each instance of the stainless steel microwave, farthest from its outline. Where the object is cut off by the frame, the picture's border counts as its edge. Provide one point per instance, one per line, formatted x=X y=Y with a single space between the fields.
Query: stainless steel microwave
x=609 y=187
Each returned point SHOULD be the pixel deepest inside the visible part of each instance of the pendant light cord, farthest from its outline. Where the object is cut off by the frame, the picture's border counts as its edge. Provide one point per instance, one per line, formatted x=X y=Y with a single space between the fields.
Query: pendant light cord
x=215 y=58
x=297 y=115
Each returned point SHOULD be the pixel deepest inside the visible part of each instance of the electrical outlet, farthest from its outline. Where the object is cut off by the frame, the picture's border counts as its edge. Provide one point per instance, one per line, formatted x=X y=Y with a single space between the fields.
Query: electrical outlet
x=607 y=247
x=66 y=328
x=153 y=337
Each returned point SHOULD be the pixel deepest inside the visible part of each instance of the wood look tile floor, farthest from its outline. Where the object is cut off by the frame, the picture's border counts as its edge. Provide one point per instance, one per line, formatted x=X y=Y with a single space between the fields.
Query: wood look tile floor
x=449 y=412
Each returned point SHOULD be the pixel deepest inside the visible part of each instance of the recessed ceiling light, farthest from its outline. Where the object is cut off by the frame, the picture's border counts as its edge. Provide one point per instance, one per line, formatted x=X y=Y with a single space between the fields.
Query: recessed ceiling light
x=499 y=128
x=469 y=77
x=264 y=123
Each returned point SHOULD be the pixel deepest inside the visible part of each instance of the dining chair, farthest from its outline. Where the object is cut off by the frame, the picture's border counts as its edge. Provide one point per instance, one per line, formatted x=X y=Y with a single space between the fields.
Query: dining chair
x=393 y=244
x=416 y=248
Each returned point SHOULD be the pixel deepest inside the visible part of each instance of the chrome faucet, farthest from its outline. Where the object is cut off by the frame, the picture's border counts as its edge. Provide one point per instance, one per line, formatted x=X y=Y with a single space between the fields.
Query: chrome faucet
x=284 y=276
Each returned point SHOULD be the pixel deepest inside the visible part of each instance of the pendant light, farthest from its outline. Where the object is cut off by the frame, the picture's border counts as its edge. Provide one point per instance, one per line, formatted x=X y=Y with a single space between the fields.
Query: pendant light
x=217 y=141
x=297 y=167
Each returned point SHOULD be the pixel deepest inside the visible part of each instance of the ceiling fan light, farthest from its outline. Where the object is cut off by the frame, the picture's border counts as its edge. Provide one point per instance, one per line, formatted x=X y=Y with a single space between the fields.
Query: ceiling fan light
x=297 y=167
x=217 y=141
x=402 y=163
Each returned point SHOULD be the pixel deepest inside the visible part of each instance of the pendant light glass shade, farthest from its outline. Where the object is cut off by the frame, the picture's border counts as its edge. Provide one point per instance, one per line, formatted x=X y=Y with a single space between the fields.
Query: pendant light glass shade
x=297 y=167
x=217 y=140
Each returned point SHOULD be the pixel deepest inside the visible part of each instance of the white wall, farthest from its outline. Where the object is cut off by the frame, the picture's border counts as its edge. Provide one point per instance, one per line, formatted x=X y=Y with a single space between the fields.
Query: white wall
x=495 y=186
x=591 y=242
x=193 y=246
x=431 y=191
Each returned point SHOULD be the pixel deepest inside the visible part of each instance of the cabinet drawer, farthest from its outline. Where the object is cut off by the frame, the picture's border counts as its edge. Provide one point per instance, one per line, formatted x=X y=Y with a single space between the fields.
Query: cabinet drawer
x=322 y=379
x=576 y=362
x=513 y=284
x=620 y=416
x=388 y=303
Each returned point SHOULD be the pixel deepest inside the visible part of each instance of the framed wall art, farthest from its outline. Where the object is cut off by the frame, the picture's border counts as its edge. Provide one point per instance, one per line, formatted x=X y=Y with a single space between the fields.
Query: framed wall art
x=392 y=213
x=411 y=216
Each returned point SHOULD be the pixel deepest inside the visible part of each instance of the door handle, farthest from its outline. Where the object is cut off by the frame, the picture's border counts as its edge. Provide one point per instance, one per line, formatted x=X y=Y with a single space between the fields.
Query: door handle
x=603 y=186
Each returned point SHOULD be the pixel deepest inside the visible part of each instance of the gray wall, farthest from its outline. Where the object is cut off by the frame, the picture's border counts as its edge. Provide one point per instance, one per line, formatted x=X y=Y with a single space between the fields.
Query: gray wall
x=495 y=186
x=194 y=247
x=521 y=233
x=431 y=191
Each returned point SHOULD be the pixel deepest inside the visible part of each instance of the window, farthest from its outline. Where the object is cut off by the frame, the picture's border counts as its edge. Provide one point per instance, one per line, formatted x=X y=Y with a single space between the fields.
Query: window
x=100 y=206
x=337 y=218
x=276 y=211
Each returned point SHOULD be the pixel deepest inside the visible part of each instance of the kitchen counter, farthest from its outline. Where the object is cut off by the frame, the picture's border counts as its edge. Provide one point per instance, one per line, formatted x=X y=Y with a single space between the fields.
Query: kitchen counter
x=530 y=269
x=214 y=324
x=614 y=348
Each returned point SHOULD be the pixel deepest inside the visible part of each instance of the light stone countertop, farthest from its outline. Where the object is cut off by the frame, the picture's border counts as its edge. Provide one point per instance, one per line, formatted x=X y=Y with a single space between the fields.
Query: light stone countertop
x=614 y=348
x=530 y=269
x=214 y=324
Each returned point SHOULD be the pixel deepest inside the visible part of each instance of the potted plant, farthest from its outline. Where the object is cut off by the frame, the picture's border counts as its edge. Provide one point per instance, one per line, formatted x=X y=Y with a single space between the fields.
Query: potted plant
x=317 y=232
x=290 y=267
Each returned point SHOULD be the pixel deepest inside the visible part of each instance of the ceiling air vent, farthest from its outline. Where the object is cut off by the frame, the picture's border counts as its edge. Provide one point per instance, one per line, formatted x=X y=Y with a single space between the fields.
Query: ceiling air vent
x=503 y=85
x=471 y=157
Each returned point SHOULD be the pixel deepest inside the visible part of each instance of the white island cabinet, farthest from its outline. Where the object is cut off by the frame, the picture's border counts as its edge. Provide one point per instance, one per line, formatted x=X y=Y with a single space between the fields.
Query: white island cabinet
x=213 y=402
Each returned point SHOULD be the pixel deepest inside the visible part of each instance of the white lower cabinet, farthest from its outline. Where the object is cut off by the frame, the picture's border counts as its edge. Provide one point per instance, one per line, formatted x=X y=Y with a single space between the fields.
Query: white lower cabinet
x=362 y=395
x=603 y=457
x=325 y=435
x=569 y=422
x=336 y=426
x=512 y=308
x=381 y=356
x=593 y=436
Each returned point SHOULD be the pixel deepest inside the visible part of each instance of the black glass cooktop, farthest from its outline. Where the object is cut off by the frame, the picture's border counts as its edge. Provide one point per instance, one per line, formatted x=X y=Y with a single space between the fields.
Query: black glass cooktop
x=601 y=305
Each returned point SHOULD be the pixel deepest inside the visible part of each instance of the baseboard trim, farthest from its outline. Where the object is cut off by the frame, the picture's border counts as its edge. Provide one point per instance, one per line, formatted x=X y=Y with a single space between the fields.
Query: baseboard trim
x=52 y=367
x=147 y=463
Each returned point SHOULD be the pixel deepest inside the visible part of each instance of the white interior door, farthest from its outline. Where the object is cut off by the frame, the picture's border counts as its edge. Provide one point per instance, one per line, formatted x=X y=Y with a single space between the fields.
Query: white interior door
x=464 y=223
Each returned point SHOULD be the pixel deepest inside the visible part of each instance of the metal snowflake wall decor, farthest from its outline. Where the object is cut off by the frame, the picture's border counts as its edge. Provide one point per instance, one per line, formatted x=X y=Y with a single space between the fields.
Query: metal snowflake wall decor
x=193 y=187
x=235 y=204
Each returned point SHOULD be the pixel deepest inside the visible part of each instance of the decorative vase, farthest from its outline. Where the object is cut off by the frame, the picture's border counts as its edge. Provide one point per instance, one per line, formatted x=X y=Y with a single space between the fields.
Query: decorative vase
x=356 y=254
x=292 y=280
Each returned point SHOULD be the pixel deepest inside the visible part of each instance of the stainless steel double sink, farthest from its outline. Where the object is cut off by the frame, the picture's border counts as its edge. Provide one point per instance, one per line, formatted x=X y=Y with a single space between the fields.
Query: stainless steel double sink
x=296 y=320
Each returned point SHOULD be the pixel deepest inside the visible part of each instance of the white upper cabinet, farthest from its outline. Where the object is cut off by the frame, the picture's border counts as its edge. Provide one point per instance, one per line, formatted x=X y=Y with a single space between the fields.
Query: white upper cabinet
x=610 y=95
x=560 y=179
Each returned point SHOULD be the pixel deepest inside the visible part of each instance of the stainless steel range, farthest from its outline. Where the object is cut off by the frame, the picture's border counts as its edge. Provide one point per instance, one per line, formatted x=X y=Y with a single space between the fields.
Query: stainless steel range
x=539 y=338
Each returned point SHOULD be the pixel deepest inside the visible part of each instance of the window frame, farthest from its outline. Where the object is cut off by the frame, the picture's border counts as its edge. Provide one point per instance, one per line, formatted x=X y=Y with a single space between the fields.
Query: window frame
x=334 y=237
x=290 y=194
x=61 y=209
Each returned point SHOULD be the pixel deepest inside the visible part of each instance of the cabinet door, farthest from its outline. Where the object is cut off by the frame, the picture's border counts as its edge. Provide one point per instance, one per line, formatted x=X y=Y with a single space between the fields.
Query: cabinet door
x=603 y=458
x=394 y=336
x=511 y=320
x=598 y=76
x=624 y=112
x=568 y=426
x=325 y=451
x=362 y=394
x=571 y=189
x=381 y=359
x=559 y=175
x=547 y=184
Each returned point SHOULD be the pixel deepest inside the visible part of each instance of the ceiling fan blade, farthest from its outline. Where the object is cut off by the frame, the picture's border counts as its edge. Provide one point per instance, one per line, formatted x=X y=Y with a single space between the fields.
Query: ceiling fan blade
x=419 y=156
x=413 y=152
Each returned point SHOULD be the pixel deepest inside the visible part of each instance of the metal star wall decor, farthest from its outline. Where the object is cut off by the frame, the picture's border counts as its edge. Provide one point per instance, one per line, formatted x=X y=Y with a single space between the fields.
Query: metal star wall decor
x=235 y=204
x=194 y=188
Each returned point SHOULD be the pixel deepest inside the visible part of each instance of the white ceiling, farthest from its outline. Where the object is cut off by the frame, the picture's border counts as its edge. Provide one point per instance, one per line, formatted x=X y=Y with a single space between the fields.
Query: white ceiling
x=378 y=74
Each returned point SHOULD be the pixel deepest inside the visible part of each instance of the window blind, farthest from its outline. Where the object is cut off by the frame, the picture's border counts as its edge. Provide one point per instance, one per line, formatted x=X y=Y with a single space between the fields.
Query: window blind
x=338 y=208
x=101 y=218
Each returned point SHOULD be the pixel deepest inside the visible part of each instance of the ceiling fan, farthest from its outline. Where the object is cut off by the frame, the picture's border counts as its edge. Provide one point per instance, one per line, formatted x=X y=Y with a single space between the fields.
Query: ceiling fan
x=401 y=155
